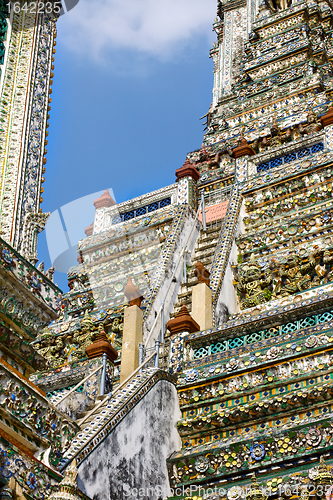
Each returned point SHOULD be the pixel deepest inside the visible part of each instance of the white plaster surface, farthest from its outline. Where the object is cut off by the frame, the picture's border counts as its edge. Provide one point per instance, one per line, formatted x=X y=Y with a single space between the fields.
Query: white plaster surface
x=227 y=301
x=134 y=455
x=169 y=288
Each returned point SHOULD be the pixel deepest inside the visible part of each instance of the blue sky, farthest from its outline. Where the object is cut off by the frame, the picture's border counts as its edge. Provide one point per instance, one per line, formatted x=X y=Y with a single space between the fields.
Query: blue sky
x=131 y=80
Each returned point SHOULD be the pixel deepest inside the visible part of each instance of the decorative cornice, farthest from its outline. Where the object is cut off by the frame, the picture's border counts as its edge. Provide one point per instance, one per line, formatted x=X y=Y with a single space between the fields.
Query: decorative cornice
x=233 y=5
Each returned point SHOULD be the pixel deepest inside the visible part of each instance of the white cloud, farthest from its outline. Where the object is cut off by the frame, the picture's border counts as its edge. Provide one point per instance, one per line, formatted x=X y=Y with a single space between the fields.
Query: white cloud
x=149 y=27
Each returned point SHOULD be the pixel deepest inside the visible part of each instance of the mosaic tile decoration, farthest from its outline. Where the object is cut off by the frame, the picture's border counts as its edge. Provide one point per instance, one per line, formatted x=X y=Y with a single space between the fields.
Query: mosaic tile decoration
x=241 y=169
x=13 y=121
x=183 y=191
x=263 y=349
x=227 y=53
x=329 y=136
x=226 y=343
x=29 y=52
x=256 y=119
x=215 y=386
x=241 y=451
x=28 y=216
x=255 y=318
x=104 y=217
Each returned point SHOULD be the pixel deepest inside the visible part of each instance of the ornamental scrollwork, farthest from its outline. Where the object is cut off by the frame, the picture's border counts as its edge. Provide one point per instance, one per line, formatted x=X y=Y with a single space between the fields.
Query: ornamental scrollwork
x=70 y=345
x=247 y=454
x=257 y=284
x=35 y=413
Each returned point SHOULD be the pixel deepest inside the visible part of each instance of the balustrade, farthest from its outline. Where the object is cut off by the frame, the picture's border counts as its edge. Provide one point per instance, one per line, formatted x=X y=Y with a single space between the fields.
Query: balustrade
x=223 y=345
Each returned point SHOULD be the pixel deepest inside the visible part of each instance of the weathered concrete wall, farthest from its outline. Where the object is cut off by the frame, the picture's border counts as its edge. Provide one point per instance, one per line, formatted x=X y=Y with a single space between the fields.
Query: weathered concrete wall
x=133 y=456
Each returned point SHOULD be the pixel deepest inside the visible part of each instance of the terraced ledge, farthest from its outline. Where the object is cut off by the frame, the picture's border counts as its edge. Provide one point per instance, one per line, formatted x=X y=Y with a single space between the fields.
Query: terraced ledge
x=111 y=413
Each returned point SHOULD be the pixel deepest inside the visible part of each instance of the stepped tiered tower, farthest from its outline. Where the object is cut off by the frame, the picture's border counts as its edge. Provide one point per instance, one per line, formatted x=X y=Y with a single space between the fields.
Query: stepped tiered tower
x=254 y=390
x=33 y=433
x=194 y=349
x=28 y=47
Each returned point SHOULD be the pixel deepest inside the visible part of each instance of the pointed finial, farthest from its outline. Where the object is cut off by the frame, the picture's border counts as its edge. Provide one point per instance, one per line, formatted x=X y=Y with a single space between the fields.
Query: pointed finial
x=202 y=273
x=101 y=345
x=256 y=492
x=104 y=200
x=133 y=294
x=86 y=322
x=89 y=230
x=182 y=322
x=70 y=475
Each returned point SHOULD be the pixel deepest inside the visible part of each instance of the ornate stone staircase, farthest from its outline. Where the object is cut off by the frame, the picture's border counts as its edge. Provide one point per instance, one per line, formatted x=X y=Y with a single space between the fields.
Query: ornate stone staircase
x=204 y=252
x=108 y=412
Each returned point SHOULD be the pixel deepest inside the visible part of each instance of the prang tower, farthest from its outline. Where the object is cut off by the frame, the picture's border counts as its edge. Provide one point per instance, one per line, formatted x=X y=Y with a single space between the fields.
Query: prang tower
x=32 y=432
x=27 y=55
x=221 y=324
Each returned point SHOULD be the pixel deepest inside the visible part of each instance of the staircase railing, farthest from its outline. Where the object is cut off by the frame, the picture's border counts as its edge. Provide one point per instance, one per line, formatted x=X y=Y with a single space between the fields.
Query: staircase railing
x=119 y=388
x=182 y=257
x=78 y=385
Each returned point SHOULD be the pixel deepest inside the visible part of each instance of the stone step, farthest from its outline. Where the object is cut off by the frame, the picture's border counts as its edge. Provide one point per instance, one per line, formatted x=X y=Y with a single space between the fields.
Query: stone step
x=91 y=407
x=207 y=238
x=207 y=241
x=84 y=413
x=207 y=261
x=212 y=227
x=191 y=280
x=185 y=302
x=204 y=252
x=186 y=293
x=200 y=256
x=207 y=247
